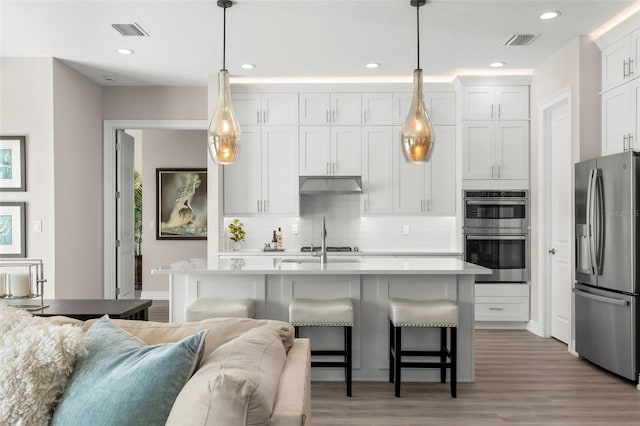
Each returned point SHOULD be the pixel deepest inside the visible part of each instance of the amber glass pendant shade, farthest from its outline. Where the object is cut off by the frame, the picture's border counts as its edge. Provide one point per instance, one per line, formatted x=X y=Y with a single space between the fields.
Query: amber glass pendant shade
x=417 y=133
x=224 y=130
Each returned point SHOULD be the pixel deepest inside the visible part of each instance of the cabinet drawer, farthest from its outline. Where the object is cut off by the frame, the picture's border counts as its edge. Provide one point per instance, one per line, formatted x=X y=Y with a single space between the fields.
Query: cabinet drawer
x=502 y=290
x=502 y=309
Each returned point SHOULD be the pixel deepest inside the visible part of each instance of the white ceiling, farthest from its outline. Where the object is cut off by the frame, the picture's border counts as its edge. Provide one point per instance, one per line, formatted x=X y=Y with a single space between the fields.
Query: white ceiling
x=290 y=38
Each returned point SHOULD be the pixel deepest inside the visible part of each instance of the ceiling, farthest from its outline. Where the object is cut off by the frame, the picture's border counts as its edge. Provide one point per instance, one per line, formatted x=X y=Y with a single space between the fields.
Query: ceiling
x=291 y=38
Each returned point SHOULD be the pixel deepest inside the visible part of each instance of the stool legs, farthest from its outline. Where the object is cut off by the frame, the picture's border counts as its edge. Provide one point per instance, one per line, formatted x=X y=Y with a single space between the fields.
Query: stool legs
x=347 y=358
x=397 y=349
x=443 y=354
x=454 y=354
x=391 y=357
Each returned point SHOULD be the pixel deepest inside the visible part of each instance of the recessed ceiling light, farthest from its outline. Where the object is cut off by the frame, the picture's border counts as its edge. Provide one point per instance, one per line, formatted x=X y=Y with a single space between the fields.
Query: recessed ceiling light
x=497 y=64
x=247 y=66
x=372 y=65
x=125 y=51
x=550 y=15
x=109 y=78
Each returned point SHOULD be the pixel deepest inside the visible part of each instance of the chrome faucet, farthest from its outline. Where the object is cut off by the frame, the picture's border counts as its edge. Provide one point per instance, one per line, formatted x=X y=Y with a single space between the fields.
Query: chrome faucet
x=322 y=254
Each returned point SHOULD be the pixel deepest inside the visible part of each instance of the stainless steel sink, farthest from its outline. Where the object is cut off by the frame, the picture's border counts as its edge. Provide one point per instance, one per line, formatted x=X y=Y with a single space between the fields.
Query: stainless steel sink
x=329 y=260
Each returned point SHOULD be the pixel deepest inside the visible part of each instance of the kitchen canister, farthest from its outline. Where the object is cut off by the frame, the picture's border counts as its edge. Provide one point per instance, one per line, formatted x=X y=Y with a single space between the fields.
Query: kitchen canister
x=20 y=285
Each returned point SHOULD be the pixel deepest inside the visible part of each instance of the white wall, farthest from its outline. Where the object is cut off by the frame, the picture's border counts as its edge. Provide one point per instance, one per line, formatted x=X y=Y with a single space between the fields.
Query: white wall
x=166 y=149
x=26 y=108
x=77 y=159
x=576 y=65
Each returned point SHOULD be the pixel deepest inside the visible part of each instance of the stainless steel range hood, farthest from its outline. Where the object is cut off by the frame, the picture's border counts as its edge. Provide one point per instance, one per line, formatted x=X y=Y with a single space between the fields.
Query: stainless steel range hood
x=310 y=185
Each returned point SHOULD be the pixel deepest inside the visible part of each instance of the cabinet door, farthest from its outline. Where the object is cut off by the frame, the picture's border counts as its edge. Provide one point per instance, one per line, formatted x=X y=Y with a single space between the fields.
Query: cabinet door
x=377 y=169
x=634 y=43
x=401 y=105
x=441 y=107
x=512 y=150
x=247 y=109
x=346 y=108
x=613 y=63
x=376 y=108
x=409 y=183
x=314 y=108
x=478 y=150
x=280 y=109
x=314 y=150
x=280 y=170
x=478 y=103
x=634 y=89
x=242 y=192
x=512 y=103
x=442 y=174
x=346 y=150
x=615 y=120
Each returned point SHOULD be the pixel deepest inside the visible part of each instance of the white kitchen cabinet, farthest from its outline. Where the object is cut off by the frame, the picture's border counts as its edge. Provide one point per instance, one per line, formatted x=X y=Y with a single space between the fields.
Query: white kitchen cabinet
x=620 y=61
x=495 y=103
x=621 y=118
x=264 y=180
x=330 y=108
x=441 y=107
x=377 y=109
x=495 y=150
x=267 y=109
x=502 y=302
x=330 y=151
x=377 y=169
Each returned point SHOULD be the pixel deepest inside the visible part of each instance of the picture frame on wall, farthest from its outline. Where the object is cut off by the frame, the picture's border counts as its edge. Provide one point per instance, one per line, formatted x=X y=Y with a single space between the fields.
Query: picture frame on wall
x=12 y=163
x=181 y=204
x=13 y=230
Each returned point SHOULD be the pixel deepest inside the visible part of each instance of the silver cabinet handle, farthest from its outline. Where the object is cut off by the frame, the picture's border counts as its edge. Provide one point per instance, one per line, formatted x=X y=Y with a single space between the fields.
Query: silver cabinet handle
x=264 y=116
x=265 y=206
x=365 y=205
x=625 y=140
x=257 y=116
x=428 y=205
x=333 y=172
x=496 y=309
x=328 y=117
x=624 y=69
x=499 y=113
x=493 y=172
x=334 y=114
x=498 y=167
x=258 y=208
x=630 y=67
x=630 y=139
x=366 y=115
x=328 y=172
x=421 y=205
x=492 y=111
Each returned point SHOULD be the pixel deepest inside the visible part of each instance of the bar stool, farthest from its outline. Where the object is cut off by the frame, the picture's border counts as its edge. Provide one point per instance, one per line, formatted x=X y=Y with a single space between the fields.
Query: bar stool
x=411 y=313
x=221 y=308
x=326 y=313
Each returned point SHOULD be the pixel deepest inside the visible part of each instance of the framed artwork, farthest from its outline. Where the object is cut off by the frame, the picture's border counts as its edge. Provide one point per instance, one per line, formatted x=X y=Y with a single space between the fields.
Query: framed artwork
x=12 y=163
x=181 y=209
x=13 y=230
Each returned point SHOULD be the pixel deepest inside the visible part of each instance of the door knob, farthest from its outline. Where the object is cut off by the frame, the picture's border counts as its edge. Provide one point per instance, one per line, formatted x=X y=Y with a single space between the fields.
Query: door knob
x=552 y=251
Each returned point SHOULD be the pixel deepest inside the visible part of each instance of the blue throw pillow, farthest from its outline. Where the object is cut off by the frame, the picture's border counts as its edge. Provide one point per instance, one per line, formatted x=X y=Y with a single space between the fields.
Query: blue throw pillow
x=123 y=381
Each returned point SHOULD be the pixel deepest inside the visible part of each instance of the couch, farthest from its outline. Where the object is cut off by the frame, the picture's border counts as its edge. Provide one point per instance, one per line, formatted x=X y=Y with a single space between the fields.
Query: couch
x=232 y=384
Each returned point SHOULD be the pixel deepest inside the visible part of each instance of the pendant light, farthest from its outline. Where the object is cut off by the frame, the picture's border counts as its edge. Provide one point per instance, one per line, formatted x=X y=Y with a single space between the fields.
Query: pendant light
x=417 y=133
x=223 y=138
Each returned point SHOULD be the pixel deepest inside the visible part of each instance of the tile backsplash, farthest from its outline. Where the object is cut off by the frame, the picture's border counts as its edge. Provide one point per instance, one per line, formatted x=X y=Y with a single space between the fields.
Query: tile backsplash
x=346 y=227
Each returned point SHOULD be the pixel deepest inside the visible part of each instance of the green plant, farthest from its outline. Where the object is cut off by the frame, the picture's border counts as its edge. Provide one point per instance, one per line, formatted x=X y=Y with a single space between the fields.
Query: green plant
x=237 y=230
x=137 y=212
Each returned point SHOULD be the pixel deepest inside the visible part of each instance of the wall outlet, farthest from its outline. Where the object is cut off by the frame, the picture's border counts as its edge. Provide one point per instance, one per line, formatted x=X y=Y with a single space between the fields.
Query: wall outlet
x=37 y=226
x=405 y=230
x=295 y=229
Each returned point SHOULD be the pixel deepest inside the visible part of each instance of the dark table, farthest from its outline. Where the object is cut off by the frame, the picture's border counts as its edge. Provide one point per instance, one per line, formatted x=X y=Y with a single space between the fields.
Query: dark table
x=84 y=309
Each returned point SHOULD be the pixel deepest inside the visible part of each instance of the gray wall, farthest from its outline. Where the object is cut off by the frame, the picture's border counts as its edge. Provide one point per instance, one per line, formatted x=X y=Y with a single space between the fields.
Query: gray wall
x=155 y=103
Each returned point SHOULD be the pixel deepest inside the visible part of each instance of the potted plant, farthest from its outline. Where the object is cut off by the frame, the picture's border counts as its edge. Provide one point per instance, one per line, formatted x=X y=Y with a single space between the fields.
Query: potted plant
x=137 y=227
x=237 y=234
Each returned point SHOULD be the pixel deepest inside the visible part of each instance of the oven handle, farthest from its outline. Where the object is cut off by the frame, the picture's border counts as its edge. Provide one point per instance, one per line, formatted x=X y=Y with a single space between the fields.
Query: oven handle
x=498 y=202
x=496 y=237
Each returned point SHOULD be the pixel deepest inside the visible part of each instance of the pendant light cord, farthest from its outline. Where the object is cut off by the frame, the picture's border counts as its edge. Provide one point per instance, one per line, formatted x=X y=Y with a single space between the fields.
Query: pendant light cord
x=418 y=32
x=224 y=38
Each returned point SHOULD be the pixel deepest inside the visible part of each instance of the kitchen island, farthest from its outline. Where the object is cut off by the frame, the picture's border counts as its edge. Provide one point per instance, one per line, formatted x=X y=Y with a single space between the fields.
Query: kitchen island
x=369 y=282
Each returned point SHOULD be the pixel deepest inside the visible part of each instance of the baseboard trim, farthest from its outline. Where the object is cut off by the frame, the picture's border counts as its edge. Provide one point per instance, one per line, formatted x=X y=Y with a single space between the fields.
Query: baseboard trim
x=535 y=328
x=154 y=295
x=501 y=325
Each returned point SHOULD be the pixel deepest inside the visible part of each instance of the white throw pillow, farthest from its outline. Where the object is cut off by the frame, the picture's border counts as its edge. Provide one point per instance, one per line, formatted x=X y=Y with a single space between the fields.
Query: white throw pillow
x=36 y=360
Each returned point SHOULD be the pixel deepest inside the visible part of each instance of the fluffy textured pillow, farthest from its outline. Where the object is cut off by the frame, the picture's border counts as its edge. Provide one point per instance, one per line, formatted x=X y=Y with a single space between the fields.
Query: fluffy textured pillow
x=123 y=381
x=36 y=359
x=236 y=384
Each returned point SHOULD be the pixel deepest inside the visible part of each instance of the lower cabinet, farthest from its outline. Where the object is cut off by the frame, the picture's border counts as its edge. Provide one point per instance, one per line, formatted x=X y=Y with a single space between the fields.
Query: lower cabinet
x=502 y=302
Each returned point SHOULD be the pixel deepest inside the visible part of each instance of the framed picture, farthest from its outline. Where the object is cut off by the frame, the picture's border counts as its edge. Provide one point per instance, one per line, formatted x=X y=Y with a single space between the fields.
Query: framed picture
x=181 y=204
x=13 y=230
x=12 y=163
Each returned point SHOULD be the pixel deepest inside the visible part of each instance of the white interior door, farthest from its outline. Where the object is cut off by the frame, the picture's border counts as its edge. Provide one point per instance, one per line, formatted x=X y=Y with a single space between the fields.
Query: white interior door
x=559 y=219
x=124 y=216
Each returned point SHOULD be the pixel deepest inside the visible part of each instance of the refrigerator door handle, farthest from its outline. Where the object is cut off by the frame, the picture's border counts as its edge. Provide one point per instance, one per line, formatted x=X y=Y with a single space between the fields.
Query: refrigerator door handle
x=599 y=201
x=610 y=300
x=590 y=225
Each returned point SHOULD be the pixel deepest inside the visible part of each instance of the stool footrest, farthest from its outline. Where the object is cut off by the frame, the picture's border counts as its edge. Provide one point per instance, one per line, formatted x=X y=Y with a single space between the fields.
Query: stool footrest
x=425 y=364
x=424 y=353
x=327 y=352
x=341 y=364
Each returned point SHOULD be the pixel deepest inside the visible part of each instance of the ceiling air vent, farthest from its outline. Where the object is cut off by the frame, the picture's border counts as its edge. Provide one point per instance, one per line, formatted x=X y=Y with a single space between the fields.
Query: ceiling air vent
x=520 y=39
x=130 y=30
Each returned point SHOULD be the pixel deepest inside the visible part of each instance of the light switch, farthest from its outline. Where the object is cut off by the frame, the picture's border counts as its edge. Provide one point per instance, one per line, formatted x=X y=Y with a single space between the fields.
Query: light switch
x=405 y=230
x=294 y=229
x=37 y=226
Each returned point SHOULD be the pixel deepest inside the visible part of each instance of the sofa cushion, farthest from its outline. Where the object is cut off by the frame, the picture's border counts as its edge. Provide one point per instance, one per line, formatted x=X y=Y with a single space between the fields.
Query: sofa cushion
x=36 y=360
x=123 y=381
x=236 y=384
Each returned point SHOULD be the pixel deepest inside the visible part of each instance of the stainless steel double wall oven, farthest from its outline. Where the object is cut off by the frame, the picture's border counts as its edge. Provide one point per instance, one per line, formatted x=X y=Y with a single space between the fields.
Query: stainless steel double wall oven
x=496 y=234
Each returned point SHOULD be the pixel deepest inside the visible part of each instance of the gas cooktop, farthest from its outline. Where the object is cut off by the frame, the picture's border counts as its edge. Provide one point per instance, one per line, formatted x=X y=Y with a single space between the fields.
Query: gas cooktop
x=329 y=248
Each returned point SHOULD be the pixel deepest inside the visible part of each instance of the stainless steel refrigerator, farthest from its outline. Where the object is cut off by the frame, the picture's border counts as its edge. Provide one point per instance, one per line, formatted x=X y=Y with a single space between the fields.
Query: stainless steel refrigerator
x=607 y=284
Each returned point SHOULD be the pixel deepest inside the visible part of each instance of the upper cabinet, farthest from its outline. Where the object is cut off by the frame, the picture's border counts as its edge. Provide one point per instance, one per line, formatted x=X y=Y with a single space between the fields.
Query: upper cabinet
x=494 y=103
x=330 y=151
x=620 y=61
x=267 y=109
x=330 y=108
x=376 y=108
x=441 y=107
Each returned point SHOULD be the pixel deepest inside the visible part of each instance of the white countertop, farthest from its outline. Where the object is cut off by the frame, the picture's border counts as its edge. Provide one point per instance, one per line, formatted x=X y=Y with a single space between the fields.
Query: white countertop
x=248 y=265
x=361 y=252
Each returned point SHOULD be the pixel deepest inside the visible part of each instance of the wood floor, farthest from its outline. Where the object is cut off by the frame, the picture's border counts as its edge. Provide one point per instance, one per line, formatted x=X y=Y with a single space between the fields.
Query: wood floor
x=521 y=379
